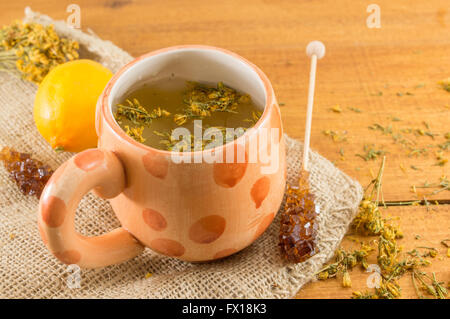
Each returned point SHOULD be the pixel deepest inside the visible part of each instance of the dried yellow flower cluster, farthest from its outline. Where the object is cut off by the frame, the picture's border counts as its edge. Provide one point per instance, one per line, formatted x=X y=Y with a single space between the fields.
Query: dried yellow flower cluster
x=34 y=49
x=390 y=260
x=202 y=100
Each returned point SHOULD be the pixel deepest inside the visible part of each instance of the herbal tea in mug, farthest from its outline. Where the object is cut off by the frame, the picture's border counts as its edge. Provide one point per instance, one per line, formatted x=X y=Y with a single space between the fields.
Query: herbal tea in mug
x=190 y=210
x=150 y=113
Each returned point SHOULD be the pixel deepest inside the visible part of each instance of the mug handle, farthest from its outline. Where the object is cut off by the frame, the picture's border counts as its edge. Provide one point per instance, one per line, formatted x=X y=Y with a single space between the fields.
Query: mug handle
x=95 y=169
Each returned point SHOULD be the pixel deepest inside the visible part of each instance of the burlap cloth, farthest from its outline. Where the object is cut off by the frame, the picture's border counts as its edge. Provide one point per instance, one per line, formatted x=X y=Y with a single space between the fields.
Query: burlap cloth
x=28 y=270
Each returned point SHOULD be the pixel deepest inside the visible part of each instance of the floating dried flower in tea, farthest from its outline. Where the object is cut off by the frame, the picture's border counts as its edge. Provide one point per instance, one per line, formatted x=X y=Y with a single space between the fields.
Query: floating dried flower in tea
x=134 y=112
x=202 y=100
x=150 y=114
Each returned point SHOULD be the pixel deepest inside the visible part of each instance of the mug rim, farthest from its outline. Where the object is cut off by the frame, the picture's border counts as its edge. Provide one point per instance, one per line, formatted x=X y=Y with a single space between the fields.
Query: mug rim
x=106 y=111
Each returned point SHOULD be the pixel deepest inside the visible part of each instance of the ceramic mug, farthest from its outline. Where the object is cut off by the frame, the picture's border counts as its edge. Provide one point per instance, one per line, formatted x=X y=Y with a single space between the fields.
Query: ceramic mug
x=191 y=211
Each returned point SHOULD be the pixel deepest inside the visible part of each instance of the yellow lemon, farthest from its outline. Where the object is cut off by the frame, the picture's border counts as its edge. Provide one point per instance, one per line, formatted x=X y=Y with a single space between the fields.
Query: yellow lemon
x=64 y=107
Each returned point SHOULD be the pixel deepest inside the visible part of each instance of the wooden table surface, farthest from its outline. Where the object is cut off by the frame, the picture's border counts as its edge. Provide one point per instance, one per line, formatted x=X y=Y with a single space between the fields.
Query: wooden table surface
x=389 y=73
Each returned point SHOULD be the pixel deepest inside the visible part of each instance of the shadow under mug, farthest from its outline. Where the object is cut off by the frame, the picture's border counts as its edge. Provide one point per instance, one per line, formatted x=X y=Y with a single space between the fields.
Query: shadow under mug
x=196 y=211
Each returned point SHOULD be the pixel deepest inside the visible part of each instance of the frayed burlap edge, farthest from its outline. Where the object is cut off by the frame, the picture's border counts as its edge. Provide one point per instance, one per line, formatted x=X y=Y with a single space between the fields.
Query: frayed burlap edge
x=29 y=271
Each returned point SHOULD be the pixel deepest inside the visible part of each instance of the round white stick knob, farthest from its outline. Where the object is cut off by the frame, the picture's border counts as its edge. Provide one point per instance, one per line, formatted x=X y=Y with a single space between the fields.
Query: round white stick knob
x=317 y=48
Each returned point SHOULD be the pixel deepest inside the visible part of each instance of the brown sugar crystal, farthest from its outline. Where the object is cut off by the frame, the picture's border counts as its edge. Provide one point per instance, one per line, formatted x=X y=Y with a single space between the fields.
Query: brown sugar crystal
x=29 y=174
x=298 y=228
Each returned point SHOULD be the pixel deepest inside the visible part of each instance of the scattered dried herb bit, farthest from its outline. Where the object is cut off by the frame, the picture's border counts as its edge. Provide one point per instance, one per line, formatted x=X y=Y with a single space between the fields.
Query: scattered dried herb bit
x=402 y=167
x=386 y=130
x=355 y=109
x=441 y=160
x=415 y=168
x=281 y=104
x=298 y=228
x=446 y=145
x=32 y=50
x=345 y=261
x=363 y=295
x=445 y=84
x=370 y=153
x=336 y=136
x=420 y=85
x=429 y=252
x=341 y=152
x=406 y=93
x=417 y=151
x=29 y=174
x=445 y=243
x=396 y=119
x=336 y=109
x=379 y=93
x=421 y=132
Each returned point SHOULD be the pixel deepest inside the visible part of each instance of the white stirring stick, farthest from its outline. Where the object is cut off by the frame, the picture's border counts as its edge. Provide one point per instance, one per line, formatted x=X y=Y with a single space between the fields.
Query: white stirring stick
x=315 y=50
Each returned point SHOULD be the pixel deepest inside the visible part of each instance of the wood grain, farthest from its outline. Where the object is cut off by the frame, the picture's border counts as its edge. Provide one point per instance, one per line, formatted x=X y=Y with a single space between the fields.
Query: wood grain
x=409 y=53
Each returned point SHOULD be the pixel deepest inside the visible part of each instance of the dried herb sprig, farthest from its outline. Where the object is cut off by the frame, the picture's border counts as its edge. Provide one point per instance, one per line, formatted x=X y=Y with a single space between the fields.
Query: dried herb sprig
x=32 y=50
x=336 y=136
x=428 y=284
x=385 y=129
x=370 y=152
x=369 y=221
x=442 y=185
x=429 y=252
